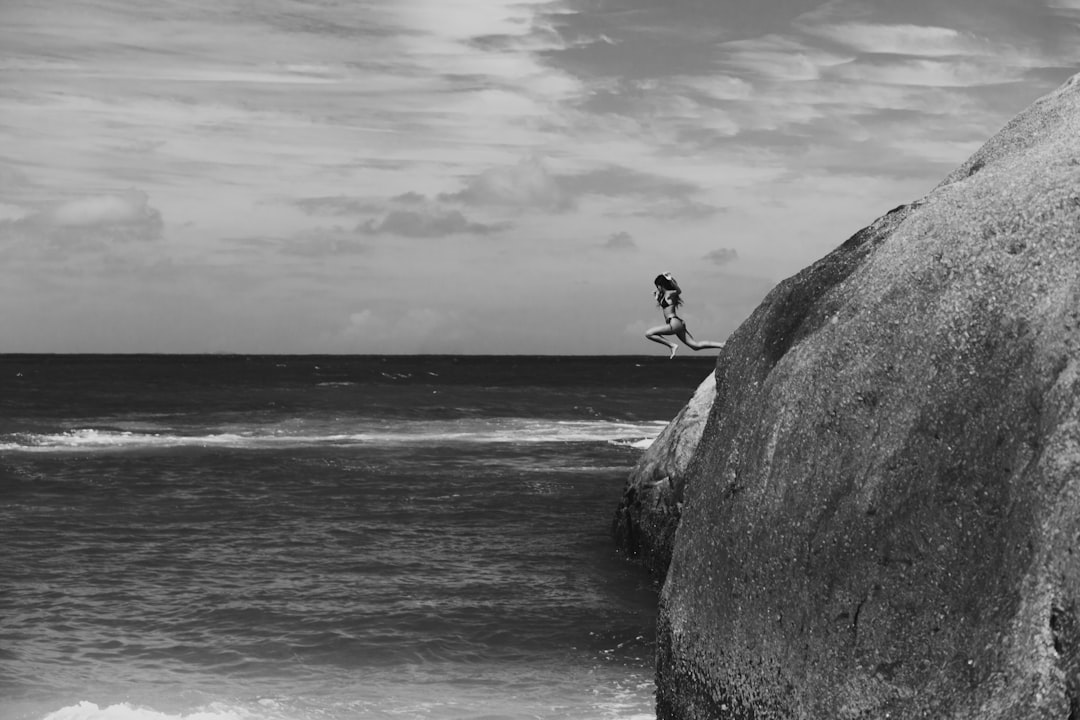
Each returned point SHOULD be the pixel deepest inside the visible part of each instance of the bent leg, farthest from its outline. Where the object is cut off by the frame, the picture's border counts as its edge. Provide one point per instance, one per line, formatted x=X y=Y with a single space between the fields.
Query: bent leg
x=656 y=335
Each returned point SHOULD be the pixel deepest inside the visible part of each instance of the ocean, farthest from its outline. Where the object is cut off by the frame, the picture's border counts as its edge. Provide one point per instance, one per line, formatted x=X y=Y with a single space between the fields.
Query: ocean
x=325 y=537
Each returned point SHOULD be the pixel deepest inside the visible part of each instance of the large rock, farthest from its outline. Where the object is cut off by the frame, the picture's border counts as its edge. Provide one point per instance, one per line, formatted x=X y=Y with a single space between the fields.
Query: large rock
x=645 y=522
x=882 y=516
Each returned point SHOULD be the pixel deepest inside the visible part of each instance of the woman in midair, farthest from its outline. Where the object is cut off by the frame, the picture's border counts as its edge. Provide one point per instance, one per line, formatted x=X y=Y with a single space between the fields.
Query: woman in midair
x=669 y=298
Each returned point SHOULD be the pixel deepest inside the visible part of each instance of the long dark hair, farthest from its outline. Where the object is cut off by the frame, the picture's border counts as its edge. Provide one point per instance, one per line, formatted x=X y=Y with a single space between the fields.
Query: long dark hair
x=666 y=282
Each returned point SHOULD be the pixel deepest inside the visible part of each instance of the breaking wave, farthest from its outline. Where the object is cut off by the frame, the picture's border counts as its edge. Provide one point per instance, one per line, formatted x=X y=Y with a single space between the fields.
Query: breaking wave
x=474 y=431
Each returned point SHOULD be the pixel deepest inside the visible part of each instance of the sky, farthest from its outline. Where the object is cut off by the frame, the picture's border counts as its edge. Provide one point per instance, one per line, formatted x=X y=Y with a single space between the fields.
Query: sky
x=469 y=176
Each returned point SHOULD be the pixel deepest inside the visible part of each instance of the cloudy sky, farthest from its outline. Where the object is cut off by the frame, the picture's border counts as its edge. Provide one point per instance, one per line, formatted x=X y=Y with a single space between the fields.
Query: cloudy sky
x=488 y=176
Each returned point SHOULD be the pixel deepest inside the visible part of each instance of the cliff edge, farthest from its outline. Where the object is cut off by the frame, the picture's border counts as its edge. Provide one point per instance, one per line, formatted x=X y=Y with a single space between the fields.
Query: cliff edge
x=882 y=514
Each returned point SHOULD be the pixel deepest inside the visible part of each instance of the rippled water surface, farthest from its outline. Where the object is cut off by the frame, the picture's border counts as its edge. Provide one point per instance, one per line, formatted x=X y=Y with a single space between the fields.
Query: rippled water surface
x=304 y=538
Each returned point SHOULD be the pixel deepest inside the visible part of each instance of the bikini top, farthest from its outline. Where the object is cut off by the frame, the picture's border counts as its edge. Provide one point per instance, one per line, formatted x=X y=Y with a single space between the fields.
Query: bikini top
x=663 y=299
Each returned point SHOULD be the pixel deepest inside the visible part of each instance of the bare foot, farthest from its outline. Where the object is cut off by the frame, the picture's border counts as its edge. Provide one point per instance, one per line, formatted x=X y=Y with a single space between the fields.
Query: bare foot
x=674 y=349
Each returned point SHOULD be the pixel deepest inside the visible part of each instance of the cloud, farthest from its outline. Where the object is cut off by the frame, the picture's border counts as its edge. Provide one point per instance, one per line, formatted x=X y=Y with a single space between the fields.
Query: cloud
x=123 y=217
x=409 y=214
x=409 y=198
x=830 y=10
x=721 y=256
x=677 y=209
x=428 y=223
x=407 y=88
x=652 y=195
x=620 y=241
x=12 y=180
x=615 y=181
x=778 y=57
x=130 y=208
x=838 y=70
x=332 y=242
x=529 y=185
x=421 y=329
x=845 y=99
x=526 y=185
x=486 y=59
x=716 y=87
x=313 y=243
x=342 y=205
x=12 y=212
x=932 y=73
x=918 y=40
x=339 y=205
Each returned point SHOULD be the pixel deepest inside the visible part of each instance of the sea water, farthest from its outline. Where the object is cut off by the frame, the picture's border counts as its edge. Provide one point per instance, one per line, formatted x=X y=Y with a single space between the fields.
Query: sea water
x=322 y=538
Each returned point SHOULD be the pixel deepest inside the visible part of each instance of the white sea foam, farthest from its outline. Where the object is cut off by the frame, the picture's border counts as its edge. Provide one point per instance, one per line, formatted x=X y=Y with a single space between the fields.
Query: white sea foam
x=90 y=711
x=432 y=433
x=611 y=708
x=640 y=444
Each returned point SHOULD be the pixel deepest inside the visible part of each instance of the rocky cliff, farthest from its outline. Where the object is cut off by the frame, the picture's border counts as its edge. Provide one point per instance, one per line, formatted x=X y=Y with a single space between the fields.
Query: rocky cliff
x=882 y=514
x=645 y=522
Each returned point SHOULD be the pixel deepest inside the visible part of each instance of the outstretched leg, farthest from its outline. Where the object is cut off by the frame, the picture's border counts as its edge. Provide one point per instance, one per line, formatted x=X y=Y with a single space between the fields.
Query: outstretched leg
x=656 y=335
x=690 y=342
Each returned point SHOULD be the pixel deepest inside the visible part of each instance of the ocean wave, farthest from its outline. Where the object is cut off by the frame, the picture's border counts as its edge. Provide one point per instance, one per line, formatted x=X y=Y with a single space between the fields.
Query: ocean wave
x=626 y=707
x=637 y=435
x=638 y=444
x=86 y=710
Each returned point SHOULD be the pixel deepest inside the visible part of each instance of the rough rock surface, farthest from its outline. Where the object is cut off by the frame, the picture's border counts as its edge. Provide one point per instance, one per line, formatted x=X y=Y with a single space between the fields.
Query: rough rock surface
x=645 y=521
x=882 y=518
